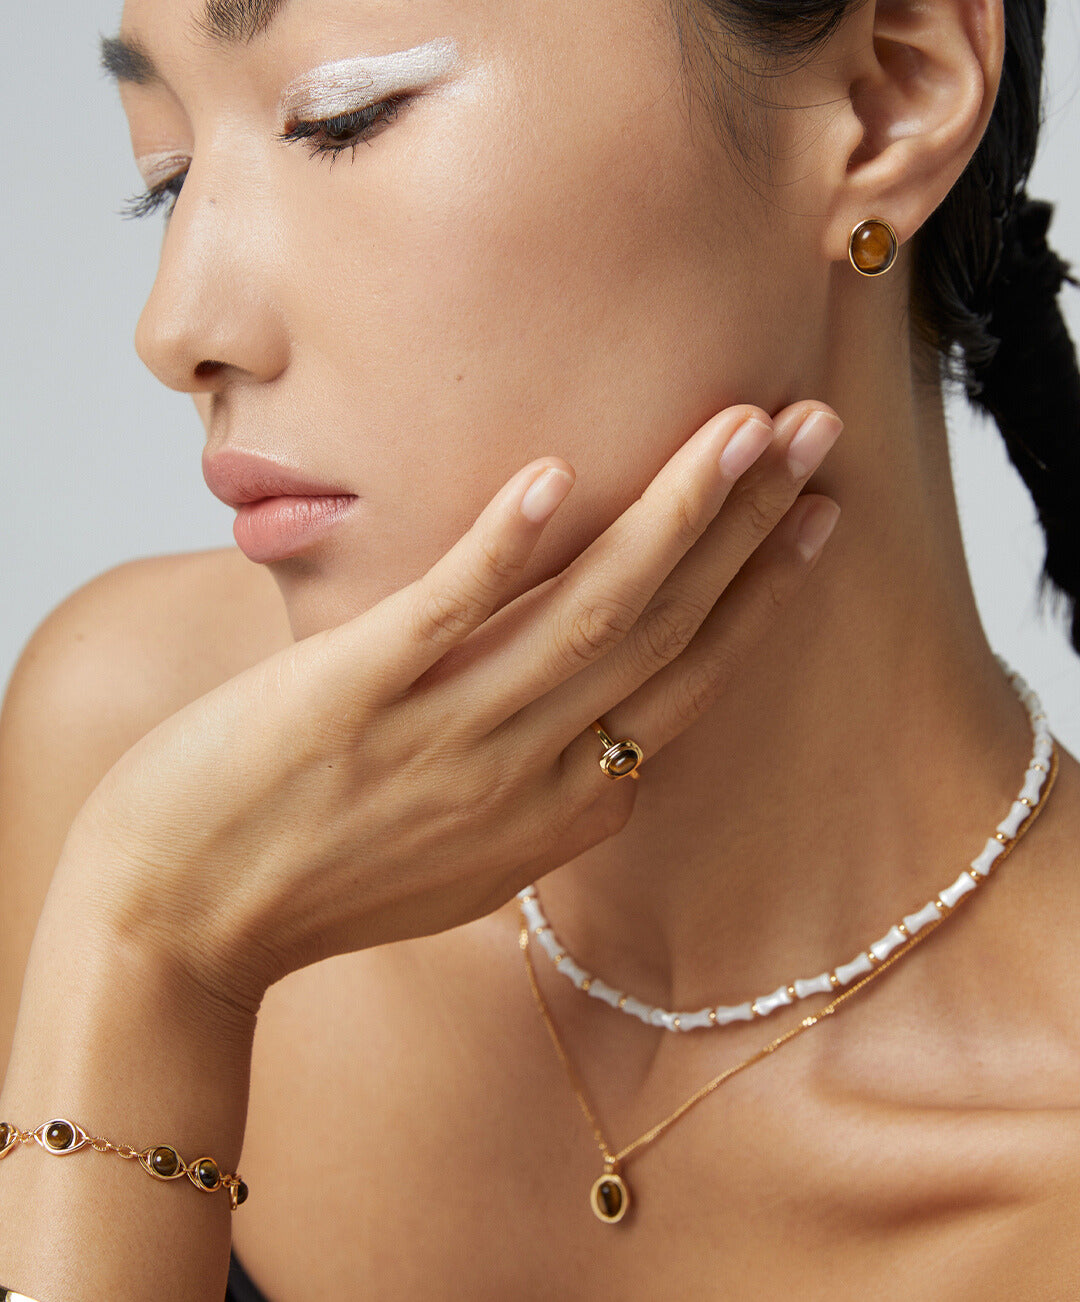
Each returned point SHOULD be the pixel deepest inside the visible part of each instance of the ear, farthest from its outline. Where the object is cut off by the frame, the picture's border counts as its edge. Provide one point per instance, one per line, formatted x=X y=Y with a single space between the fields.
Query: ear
x=916 y=82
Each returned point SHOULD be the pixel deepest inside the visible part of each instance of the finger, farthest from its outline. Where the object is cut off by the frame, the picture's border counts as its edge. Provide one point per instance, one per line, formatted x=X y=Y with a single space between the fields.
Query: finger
x=464 y=586
x=677 y=609
x=573 y=645
x=575 y=616
x=675 y=697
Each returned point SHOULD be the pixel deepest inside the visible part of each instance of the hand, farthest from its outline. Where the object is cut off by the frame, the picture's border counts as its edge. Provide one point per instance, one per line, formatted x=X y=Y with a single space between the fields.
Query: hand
x=410 y=770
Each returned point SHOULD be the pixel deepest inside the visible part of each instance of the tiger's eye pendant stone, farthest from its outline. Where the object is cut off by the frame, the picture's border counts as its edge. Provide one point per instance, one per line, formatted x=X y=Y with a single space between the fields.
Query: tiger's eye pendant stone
x=610 y=1198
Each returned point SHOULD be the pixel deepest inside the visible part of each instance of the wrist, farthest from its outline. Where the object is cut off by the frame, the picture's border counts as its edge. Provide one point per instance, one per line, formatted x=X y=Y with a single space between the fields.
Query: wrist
x=102 y=1018
x=154 y=916
x=107 y=1040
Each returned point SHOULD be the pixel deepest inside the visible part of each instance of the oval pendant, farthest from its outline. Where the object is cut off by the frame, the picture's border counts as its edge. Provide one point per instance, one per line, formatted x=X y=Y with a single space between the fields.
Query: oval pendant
x=610 y=1197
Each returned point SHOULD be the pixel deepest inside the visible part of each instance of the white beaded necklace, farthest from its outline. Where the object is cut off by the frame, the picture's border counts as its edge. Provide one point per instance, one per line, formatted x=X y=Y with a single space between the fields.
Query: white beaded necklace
x=804 y=987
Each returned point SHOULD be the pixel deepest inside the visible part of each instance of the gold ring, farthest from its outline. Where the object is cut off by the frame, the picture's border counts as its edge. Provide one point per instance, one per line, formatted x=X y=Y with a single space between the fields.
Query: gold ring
x=620 y=758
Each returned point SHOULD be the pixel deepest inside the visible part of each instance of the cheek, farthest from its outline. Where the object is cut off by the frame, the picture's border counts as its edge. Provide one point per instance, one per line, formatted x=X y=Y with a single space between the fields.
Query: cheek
x=583 y=281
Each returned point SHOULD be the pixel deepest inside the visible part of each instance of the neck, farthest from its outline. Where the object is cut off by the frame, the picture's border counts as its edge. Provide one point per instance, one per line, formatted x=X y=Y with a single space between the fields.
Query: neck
x=864 y=753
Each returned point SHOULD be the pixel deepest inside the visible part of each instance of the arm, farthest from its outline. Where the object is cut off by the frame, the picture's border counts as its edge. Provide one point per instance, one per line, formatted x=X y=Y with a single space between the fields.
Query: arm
x=118 y=656
x=107 y=1038
x=362 y=786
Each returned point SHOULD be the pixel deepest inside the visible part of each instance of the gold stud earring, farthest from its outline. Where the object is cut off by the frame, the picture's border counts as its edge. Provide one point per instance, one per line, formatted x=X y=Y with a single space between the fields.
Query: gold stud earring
x=872 y=246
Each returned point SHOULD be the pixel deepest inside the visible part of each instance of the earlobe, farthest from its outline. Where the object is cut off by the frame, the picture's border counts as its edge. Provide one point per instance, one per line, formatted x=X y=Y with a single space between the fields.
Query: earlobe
x=921 y=80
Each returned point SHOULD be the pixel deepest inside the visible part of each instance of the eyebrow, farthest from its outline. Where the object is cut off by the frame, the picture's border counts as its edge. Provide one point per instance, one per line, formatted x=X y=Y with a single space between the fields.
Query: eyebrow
x=227 y=22
x=124 y=59
x=238 y=20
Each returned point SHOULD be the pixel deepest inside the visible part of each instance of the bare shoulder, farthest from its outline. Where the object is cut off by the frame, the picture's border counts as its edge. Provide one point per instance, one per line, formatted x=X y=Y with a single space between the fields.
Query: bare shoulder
x=122 y=653
x=141 y=640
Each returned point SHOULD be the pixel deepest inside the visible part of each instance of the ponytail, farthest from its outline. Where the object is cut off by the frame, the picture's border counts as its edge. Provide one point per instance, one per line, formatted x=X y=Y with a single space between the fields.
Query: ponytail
x=1030 y=385
x=985 y=287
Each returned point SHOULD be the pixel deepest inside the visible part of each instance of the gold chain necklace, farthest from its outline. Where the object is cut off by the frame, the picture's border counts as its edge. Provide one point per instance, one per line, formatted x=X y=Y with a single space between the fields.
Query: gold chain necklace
x=610 y=1194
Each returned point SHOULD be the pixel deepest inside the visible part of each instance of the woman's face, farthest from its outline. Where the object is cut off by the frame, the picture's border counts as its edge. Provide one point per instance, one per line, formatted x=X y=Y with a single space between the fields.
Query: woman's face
x=538 y=252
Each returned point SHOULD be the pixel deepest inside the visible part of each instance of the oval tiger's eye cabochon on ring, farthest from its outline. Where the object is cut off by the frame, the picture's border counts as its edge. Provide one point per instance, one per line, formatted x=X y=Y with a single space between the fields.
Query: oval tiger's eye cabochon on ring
x=621 y=759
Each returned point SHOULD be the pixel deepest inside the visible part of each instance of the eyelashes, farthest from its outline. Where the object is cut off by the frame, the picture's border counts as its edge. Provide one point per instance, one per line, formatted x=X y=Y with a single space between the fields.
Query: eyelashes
x=326 y=138
x=162 y=195
x=330 y=137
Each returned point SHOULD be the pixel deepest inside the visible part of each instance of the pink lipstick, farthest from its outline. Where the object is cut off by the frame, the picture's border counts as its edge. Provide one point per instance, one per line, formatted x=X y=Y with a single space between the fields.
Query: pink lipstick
x=279 y=511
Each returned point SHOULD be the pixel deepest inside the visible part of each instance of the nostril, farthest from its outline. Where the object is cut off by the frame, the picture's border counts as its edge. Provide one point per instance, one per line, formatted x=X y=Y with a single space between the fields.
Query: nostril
x=208 y=370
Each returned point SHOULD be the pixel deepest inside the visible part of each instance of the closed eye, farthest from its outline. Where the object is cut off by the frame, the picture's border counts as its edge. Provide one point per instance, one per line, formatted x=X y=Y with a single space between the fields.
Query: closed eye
x=329 y=137
x=163 y=195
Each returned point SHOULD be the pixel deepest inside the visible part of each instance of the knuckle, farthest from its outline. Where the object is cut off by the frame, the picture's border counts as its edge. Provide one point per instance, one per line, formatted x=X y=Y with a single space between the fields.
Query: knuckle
x=697 y=689
x=760 y=515
x=452 y=614
x=686 y=523
x=595 y=628
x=447 y=614
x=499 y=564
x=666 y=630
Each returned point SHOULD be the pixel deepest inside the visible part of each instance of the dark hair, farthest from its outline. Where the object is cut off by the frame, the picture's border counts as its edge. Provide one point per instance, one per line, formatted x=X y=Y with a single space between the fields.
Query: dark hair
x=984 y=281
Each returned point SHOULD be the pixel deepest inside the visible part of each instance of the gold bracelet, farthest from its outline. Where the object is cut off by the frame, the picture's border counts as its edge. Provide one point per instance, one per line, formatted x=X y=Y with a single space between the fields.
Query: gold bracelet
x=162 y=1161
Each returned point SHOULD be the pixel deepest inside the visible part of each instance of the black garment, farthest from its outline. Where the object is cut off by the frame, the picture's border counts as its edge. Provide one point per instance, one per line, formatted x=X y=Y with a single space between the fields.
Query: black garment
x=240 y=1288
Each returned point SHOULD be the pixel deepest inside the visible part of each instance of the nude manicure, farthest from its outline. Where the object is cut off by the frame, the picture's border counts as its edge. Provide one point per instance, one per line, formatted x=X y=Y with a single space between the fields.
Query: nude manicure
x=814 y=437
x=816 y=528
x=544 y=494
x=744 y=447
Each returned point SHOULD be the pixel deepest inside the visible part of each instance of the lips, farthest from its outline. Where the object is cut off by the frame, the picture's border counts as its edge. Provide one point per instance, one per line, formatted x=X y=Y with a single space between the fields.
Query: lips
x=279 y=510
x=237 y=478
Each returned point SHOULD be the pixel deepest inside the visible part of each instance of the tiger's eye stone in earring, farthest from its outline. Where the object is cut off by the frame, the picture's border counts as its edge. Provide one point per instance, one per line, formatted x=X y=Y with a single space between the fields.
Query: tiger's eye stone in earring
x=5 y=1134
x=872 y=246
x=241 y=1193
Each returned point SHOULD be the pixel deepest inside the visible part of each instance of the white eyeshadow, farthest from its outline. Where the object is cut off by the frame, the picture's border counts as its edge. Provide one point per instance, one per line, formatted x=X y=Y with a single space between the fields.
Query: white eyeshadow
x=160 y=166
x=351 y=84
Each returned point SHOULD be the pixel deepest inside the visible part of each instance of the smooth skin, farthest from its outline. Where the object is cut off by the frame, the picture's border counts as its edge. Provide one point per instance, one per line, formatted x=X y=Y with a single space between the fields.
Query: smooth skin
x=372 y=801
x=230 y=783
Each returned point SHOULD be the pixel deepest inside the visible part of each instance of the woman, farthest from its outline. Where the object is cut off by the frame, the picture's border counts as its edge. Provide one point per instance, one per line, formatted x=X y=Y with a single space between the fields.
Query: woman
x=622 y=245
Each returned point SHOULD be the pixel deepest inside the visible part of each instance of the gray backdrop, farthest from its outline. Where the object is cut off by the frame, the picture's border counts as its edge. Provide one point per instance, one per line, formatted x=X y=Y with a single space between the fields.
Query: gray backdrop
x=101 y=462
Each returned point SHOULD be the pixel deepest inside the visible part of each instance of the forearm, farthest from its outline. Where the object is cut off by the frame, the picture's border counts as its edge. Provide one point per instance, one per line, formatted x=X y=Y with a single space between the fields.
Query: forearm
x=105 y=1039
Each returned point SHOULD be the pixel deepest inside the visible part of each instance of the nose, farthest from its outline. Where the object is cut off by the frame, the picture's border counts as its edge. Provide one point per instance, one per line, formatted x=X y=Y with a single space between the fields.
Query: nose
x=214 y=313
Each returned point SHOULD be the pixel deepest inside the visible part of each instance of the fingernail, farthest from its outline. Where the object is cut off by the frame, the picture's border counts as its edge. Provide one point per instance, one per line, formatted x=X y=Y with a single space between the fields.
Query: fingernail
x=816 y=528
x=544 y=494
x=744 y=447
x=814 y=437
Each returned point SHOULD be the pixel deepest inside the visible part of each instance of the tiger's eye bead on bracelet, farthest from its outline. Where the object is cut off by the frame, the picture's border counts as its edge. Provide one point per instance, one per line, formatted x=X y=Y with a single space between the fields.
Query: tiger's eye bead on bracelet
x=60 y=1137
